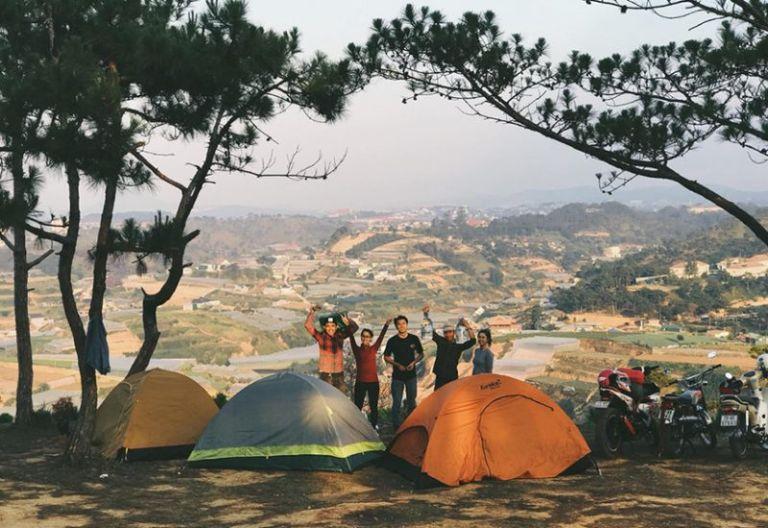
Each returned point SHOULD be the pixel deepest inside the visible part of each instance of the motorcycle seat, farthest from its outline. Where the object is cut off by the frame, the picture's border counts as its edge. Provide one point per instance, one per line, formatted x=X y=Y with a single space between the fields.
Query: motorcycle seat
x=741 y=400
x=682 y=398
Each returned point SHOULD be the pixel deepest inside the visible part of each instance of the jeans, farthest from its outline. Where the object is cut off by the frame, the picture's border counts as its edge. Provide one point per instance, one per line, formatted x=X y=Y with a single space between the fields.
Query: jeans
x=372 y=389
x=397 y=398
x=439 y=382
x=336 y=379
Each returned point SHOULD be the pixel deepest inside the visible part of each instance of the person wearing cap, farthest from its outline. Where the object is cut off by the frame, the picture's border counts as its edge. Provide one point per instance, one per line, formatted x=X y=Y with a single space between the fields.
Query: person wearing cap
x=367 y=377
x=449 y=351
x=331 y=345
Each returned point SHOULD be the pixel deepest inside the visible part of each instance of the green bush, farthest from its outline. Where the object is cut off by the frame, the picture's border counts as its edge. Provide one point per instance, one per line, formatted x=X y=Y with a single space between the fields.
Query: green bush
x=6 y=418
x=64 y=414
x=220 y=399
x=42 y=417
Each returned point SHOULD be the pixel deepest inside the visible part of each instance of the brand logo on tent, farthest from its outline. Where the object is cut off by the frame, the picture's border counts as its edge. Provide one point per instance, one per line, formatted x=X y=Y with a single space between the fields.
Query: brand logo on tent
x=492 y=385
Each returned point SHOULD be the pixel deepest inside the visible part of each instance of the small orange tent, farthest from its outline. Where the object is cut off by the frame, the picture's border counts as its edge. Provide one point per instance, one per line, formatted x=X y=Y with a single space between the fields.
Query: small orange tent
x=488 y=425
x=152 y=415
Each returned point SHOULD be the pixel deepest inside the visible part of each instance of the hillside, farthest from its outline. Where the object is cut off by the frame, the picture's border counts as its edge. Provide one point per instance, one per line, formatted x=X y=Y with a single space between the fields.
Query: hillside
x=622 y=223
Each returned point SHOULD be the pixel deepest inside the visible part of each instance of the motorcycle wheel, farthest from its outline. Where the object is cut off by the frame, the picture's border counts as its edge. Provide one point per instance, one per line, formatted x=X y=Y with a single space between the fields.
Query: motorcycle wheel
x=652 y=437
x=738 y=443
x=671 y=441
x=709 y=438
x=609 y=433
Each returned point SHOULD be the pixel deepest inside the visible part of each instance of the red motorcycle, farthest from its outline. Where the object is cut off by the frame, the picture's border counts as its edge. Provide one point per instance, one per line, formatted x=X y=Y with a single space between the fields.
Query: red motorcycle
x=627 y=410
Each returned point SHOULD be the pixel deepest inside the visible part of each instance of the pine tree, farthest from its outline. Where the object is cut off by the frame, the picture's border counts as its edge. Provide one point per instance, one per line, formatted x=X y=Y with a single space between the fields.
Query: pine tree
x=227 y=104
x=654 y=104
x=164 y=68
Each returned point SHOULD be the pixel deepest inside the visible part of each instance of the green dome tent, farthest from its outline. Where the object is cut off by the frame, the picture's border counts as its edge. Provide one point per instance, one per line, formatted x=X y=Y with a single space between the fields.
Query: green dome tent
x=288 y=421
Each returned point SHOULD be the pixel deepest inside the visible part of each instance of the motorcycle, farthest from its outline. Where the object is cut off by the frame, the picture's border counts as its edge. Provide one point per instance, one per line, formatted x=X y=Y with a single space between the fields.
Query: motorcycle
x=744 y=409
x=684 y=415
x=626 y=410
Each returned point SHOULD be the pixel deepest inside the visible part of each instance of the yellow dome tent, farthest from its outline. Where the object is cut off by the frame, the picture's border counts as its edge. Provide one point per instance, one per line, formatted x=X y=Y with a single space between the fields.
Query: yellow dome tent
x=154 y=414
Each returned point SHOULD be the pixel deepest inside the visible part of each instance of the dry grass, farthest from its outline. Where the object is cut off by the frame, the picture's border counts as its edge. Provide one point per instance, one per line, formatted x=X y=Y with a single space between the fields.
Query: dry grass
x=348 y=242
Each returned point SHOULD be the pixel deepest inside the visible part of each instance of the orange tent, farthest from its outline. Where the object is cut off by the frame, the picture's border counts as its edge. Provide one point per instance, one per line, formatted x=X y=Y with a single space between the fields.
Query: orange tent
x=488 y=425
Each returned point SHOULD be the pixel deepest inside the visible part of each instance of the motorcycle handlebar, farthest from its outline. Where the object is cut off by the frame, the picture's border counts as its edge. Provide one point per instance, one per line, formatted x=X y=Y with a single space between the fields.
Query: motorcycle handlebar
x=712 y=368
x=697 y=375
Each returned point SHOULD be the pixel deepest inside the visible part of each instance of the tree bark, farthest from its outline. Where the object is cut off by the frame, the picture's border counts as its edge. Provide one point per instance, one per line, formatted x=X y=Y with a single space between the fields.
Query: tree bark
x=24 y=382
x=152 y=302
x=79 y=447
x=149 y=307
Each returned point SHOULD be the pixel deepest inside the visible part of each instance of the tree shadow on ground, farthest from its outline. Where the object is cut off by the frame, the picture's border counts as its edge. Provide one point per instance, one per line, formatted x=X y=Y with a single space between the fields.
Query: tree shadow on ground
x=38 y=489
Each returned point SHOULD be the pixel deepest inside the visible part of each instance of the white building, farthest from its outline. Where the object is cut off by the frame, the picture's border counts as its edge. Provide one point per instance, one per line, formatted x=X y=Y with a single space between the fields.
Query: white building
x=612 y=253
x=680 y=270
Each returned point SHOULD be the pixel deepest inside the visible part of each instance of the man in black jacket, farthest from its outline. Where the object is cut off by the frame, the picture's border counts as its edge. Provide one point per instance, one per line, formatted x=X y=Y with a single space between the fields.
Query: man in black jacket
x=403 y=352
x=448 y=351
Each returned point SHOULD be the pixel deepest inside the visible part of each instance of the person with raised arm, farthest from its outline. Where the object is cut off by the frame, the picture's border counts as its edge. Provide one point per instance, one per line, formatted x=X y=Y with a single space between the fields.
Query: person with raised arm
x=330 y=342
x=449 y=351
x=367 y=377
x=403 y=352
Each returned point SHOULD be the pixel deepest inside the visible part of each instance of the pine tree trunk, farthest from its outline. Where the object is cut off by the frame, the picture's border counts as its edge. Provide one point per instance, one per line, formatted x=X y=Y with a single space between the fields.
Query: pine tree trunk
x=79 y=447
x=21 y=301
x=23 y=337
x=66 y=257
x=152 y=302
x=151 y=337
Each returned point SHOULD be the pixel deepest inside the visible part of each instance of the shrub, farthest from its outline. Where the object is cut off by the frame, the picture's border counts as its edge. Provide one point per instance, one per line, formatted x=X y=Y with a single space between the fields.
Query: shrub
x=64 y=414
x=220 y=399
x=680 y=337
x=41 y=417
x=6 y=418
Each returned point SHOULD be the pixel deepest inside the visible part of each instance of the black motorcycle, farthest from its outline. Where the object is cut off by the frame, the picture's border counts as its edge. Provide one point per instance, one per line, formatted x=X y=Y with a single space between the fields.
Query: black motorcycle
x=684 y=416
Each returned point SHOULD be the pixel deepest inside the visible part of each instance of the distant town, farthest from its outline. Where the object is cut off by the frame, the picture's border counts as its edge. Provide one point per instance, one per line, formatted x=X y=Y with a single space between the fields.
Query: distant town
x=533 y=278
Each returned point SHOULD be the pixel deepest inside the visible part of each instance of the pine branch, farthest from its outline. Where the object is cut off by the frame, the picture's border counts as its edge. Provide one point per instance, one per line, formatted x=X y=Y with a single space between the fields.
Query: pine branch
x=7 y=242
x=39 y=259
x=47 y=235
x=310 y=171
x=157 y=172
x=46 y=224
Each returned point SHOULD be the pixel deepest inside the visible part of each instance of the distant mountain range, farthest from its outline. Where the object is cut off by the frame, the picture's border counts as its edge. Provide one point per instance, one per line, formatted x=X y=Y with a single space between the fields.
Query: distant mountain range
x=520 y=202
x=654 y=197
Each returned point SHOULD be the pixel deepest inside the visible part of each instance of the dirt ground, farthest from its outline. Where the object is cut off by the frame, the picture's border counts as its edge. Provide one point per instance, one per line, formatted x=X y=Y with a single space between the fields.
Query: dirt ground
x=37 y=489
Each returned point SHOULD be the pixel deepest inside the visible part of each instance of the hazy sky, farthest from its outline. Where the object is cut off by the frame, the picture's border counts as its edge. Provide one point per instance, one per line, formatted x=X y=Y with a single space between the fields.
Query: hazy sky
x=429 y=153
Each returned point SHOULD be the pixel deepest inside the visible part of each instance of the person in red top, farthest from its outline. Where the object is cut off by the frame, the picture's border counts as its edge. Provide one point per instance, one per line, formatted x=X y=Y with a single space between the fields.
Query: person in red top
x=367 y=381
x=331 y=343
